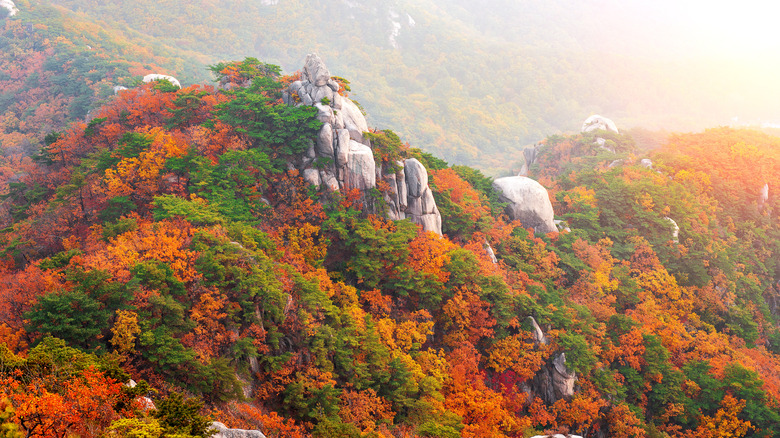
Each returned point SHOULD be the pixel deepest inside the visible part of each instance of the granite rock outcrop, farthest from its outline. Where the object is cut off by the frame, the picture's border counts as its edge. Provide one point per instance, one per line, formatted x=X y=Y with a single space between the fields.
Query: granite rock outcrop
x=157 y=77
x=223 y=431
x=342 y=158
x=527 y=201
x=596 y=123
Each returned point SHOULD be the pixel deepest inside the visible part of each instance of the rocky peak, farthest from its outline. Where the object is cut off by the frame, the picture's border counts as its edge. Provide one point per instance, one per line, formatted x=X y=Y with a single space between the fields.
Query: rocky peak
x=156 y=77
x=597 y=122
x=342 y=158
x=315 y=71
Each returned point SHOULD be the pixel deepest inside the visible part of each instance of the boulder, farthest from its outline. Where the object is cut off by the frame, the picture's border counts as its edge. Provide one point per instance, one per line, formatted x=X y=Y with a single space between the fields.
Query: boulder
x=354 y=120
x=596 y=122
x=416 y=177
x=527 y=201
x=325 y=141
x=312 y=176
x=156 y=77
x=421 y=207
x=118 y=88
x=361 y=168
x=222 y=431
x=314 y=70
x=646 y=163
x=557 y=435
x=10 y=7
x=324 y=112
x=342 y=147
x=329 y=180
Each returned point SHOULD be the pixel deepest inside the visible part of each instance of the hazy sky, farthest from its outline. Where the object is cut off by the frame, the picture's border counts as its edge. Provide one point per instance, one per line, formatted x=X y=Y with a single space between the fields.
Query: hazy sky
x=746 y=27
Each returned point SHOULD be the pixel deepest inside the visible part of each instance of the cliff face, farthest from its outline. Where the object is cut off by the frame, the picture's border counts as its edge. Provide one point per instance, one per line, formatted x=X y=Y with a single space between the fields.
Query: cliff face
x=342 y=158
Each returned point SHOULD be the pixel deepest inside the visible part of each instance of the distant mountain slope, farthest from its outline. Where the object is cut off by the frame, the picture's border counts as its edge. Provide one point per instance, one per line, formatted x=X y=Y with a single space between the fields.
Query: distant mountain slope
x=470 y=81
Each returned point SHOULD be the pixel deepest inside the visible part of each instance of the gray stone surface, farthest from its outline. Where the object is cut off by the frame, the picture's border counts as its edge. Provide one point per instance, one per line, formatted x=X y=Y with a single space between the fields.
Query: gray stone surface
x=352 y=163
x=421 y=207
x=222 y=431
x=354 y=120
x=527 y=202
x=325 y=141
x=557 y=435
x=312 y=176
x=490 y=253
x=416 y=177
x=342 y=147
x=563 y=379
x=361 y=168
x=314 y=70
x=539 y=336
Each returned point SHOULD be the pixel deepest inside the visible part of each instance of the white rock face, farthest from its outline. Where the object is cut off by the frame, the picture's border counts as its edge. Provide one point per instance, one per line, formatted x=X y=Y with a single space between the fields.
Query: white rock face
x=596 y=122
x=563 y=379
x=361 y=168
x=421 y=207
x=315 y=72
x=539 y=336
x=118 y=88
x=764 y=196
x=646 y=163
x=156 y=77
x=675 y=230
x=557 y=435
x=529 y=157
x=347 y=154
x=224 y=432
x=10 y=6
x=528 y=202
x=490 y=253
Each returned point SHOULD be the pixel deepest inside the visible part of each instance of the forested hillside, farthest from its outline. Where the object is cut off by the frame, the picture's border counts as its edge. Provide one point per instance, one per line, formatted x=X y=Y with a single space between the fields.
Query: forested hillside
x=172 y=240
x=460 y=79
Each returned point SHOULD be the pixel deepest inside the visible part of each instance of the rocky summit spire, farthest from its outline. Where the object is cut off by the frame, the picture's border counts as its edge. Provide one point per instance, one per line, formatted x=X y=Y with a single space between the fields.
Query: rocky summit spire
x=342 y=158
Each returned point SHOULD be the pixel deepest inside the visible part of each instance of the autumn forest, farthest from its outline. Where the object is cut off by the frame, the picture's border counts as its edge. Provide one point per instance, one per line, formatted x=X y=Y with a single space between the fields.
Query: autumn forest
x=165 y=264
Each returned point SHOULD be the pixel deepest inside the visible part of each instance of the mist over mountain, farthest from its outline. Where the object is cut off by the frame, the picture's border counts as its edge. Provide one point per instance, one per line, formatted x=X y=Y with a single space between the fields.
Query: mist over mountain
x=476 y=81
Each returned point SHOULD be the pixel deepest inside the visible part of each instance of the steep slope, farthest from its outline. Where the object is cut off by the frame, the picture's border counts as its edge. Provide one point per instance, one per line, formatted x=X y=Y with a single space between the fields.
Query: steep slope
x=174 y=239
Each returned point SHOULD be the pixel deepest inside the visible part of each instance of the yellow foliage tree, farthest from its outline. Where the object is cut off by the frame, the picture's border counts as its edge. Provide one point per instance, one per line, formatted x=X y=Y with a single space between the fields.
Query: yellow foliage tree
x=125 y=331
